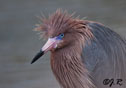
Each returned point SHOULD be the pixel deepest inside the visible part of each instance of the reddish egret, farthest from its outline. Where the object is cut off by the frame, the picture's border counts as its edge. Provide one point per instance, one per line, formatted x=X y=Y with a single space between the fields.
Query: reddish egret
x=84 y=54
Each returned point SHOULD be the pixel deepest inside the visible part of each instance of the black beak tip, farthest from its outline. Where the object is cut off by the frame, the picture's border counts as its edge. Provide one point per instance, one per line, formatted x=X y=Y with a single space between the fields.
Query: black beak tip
x=38 y=55
x=32 y=62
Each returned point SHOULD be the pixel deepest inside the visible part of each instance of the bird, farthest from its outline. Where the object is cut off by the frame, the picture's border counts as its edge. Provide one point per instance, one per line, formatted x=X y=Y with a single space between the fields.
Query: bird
x=84 y=53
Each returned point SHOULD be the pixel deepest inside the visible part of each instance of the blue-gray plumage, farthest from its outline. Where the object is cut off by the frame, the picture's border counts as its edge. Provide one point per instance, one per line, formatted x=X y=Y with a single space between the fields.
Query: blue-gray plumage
x=105 y=56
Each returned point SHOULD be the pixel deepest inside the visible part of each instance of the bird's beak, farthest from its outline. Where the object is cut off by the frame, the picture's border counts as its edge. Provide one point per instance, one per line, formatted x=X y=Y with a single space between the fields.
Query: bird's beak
x=50 y=44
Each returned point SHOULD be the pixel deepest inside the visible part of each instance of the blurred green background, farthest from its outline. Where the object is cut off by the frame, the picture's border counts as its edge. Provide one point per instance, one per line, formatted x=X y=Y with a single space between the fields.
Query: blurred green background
x=19 y=43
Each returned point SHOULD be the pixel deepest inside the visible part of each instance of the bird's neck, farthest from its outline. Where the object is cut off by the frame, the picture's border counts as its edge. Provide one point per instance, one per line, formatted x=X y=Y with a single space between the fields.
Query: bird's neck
x=69 y=69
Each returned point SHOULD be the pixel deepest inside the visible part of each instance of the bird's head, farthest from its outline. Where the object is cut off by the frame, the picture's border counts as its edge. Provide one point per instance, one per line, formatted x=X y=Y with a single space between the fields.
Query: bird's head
x=61 y=30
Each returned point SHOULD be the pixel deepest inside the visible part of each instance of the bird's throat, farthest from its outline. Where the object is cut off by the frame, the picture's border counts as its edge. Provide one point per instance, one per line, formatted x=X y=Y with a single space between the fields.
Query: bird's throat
x=70 y=71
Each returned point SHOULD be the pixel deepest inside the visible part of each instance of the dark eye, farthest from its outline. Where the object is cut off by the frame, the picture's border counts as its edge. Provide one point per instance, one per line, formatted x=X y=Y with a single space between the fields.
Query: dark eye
x=61 y=35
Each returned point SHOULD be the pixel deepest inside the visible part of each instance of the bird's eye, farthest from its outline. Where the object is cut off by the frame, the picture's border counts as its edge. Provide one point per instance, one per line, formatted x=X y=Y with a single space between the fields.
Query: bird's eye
x=61 y=35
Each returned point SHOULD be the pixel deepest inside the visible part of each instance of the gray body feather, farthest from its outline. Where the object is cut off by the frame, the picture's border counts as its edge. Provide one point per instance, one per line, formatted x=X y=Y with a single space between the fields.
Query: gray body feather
x=105 y=57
